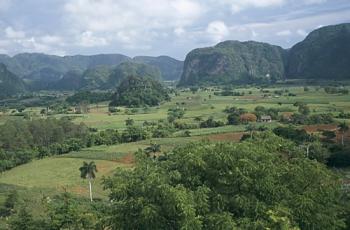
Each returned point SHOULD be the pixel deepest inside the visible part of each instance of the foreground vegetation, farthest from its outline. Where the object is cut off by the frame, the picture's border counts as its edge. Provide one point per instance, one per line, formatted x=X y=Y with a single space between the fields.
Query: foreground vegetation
x=264 y=182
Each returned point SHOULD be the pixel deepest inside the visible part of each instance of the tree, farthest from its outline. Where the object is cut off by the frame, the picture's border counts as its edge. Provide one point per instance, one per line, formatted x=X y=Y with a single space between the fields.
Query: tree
x=250 y=128
x=304 y=109
x=343 y=128
x=87 y=171
x=248 y=117
x=233 y=119
x=129 y=122
x=318 y=152
x=153 y=148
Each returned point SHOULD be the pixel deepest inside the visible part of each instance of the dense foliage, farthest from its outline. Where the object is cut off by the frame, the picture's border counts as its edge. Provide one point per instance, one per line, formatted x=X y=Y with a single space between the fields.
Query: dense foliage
x=265 y=183
x=136 y=92
x=21 y=141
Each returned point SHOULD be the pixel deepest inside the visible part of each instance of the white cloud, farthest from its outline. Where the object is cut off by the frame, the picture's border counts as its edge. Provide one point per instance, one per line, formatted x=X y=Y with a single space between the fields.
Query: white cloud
x=240 y=5
x=309 y=2
x=14 y=34
x=301 y=32
x=131 y=21
x=49 y=39
x=179 y=31
x=217 y=30
x=284 y=33
x=88 y=39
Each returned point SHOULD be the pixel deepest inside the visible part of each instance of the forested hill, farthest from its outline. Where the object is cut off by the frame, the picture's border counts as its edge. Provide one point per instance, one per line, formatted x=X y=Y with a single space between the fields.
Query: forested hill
x=41 y=71
x=127 y=69
x=10 y=84
x=170 y=68
x=26 y=64
x=324 y=54
x=233 y=62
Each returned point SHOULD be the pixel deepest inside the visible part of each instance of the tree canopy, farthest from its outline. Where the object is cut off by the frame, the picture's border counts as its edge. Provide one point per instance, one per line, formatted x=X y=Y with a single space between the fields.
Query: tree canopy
x=261 y=183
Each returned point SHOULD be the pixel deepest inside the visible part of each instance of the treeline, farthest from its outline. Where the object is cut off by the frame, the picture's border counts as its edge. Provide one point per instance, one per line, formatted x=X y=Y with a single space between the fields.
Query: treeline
x=24 y=140
x=21 y=140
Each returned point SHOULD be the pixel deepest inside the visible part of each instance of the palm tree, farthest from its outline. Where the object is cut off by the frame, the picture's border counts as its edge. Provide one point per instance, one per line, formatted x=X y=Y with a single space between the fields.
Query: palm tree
x=343 y=127
x=87 y=171
x=153 y=148
x=250 y=128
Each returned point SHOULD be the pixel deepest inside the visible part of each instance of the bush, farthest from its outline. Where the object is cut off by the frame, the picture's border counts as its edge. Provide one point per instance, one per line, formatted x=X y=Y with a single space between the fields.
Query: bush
x=211 y=123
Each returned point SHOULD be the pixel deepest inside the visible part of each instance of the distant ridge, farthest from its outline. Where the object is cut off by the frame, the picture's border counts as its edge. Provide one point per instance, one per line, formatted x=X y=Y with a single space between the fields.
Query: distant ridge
x=324 y=54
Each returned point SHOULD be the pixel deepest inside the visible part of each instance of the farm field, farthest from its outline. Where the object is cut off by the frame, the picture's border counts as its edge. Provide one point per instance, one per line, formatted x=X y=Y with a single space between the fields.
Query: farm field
x=205 y=103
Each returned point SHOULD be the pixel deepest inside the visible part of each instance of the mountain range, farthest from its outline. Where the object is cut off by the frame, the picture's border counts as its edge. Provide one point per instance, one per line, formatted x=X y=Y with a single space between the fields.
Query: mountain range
x=323 y=54
x=41 y=71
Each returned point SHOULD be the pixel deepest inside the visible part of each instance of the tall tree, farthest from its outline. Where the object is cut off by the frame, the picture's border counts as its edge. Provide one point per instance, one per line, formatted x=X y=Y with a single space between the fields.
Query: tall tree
x=343 y=128
x=87 y=171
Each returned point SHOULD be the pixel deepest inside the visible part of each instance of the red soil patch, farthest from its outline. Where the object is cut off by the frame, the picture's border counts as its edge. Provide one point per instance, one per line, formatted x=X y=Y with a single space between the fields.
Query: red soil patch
x=346 y=137
x=100 y=110
x=225 y=136
x=127 y=159
x=317 y=128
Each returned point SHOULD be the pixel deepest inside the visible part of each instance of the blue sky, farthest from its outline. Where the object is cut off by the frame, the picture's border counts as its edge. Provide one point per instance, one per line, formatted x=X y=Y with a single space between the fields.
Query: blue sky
x=157 y=27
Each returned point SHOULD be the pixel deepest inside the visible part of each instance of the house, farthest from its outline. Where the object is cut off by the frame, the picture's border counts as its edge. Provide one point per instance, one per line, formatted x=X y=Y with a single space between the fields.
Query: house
x=265 y=119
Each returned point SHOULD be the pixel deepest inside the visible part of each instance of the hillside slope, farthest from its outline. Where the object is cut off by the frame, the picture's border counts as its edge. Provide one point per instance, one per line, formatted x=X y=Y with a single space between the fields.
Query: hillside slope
x=234 y=62
x=170 y=68
x=324 y=54
x=10 y=84
x=127 y=69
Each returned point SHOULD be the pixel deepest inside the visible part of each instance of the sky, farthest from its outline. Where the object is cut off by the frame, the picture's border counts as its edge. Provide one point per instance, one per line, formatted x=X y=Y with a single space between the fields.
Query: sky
x=157 y=27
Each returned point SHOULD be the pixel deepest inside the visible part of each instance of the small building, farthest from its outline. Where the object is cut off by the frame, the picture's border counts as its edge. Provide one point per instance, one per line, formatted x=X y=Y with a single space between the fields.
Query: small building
x=266 y=119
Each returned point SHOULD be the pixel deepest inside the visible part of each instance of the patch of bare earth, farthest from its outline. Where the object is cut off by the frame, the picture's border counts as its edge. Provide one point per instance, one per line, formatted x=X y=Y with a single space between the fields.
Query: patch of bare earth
x=225 y=136
x=318 y=128
x=128 y=159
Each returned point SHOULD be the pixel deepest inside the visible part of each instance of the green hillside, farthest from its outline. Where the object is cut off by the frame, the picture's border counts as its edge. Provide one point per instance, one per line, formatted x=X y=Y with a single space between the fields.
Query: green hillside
x=126 y=69
x=170 y=68
x=10 y=84
x=234 y=62
x=324 y=54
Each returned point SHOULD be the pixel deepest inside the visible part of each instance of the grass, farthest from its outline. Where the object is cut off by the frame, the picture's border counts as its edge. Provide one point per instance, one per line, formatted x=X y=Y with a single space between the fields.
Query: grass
x=57 y=174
